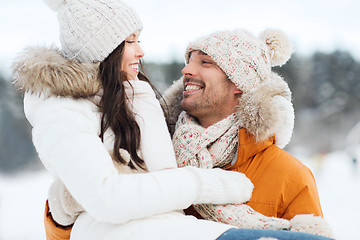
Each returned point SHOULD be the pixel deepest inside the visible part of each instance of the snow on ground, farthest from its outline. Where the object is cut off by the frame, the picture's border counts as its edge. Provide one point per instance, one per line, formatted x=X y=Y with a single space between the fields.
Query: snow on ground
x=338 y=181
x=22 y=199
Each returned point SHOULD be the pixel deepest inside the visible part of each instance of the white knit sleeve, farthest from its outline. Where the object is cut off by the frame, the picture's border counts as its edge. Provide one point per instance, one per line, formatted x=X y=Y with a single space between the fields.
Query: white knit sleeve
x=65 y=134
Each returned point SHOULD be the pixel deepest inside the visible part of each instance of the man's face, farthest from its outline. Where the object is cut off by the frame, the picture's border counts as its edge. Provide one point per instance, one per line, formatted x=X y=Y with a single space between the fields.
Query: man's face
x=208 y=94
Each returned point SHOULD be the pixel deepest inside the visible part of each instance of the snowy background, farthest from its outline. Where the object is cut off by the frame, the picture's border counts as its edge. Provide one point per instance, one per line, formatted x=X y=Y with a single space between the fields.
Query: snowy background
x=312 y=25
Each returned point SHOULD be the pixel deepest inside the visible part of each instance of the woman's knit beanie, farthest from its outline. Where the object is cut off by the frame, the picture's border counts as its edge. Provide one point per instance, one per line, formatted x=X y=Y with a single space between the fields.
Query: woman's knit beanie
x=91 y=29
x=245 y=59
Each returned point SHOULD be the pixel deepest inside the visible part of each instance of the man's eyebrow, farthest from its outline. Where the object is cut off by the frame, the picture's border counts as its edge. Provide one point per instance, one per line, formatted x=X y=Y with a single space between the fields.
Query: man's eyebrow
x=200 y=53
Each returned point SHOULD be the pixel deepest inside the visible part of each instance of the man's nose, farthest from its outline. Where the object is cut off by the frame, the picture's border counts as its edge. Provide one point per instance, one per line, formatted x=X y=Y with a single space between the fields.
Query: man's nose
x=188 y=70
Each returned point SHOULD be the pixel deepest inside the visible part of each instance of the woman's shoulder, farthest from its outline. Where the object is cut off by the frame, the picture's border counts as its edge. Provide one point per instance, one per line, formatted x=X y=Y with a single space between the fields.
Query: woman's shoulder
x=41 y=109
x=59 y=103
x=43 y=70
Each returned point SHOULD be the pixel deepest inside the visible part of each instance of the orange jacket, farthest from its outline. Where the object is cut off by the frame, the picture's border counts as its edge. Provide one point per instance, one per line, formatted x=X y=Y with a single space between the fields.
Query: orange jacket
x=54 y=231
x=284 y=187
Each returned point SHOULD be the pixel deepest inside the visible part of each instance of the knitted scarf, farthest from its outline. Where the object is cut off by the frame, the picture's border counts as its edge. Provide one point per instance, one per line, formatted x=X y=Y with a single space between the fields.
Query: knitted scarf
x=210 y=147
x=216 y=146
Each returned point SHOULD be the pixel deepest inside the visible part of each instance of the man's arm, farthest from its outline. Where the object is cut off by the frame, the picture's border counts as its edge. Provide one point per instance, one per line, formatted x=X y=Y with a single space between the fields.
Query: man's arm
x=307 y=199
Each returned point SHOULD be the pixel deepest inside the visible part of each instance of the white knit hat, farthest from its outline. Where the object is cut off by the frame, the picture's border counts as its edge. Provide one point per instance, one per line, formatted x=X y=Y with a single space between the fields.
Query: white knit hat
x=91 y=29
x=245 y=59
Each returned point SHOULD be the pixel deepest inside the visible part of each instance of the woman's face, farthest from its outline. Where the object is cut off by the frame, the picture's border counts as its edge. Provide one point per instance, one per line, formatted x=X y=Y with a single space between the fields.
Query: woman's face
x=131 y=56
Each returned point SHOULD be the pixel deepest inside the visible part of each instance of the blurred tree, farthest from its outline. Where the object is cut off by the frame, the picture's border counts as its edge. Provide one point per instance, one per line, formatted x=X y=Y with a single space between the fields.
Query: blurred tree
x=336 y=77
x=296 y=73
x=16 y=148
x=173 y=71
x=163 y=75
x=325 y=90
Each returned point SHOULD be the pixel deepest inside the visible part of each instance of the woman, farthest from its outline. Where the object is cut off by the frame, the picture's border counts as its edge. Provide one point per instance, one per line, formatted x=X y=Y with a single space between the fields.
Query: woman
x=100 y=131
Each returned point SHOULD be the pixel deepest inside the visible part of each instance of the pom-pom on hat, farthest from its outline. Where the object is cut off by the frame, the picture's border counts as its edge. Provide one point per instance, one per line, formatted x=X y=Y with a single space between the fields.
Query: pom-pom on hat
x=245 y=58
x=91 y=29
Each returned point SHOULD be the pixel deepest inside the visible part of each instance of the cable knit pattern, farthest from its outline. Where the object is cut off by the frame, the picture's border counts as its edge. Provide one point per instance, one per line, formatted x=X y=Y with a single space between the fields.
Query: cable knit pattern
x=90 y=30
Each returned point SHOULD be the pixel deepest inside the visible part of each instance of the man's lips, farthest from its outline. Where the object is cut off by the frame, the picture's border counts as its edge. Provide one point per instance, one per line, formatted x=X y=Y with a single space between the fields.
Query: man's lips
x=191 y=87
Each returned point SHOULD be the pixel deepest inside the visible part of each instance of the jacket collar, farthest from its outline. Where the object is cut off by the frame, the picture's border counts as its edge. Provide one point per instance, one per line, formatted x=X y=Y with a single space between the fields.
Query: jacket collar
x=249 y=147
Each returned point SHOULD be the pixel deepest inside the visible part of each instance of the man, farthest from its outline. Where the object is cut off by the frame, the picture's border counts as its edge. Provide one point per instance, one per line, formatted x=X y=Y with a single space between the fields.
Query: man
x=238 y=116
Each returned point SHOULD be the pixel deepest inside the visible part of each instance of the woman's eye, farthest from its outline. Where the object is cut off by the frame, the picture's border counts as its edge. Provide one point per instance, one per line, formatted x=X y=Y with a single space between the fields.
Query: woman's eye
x=206 y=62
x=132 y=41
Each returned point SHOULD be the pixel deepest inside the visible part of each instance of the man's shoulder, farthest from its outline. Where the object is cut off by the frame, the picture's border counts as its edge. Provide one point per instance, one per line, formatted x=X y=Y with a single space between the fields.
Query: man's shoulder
x=282 y=161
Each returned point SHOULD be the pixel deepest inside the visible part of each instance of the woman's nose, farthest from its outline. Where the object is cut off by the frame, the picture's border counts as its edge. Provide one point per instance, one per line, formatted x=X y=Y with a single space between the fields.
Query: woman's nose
x=139 y=52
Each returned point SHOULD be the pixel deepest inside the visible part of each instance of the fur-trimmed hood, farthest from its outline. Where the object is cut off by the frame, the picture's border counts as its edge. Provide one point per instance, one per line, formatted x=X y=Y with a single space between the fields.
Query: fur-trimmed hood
x=263 y=111
x=43 y=70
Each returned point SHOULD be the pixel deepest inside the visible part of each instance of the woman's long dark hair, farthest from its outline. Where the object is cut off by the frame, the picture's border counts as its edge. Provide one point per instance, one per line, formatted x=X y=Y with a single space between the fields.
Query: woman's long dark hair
x=116 y=114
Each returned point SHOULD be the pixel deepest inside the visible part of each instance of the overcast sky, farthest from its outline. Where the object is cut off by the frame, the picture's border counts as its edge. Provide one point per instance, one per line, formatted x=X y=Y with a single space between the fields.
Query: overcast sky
x=312 y=25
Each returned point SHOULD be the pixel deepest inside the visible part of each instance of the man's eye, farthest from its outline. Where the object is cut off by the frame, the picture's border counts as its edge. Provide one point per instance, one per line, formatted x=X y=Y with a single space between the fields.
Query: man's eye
x=206 y=62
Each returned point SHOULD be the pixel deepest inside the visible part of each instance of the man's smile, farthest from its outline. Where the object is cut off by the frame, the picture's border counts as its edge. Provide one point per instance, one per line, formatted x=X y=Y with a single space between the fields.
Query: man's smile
x=192 y=86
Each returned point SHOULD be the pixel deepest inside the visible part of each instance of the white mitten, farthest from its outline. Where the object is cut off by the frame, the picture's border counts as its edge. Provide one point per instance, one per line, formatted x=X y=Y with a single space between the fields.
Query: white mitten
x=310 y=224
x=63 y=207
x=219 y=186
x=241 y=216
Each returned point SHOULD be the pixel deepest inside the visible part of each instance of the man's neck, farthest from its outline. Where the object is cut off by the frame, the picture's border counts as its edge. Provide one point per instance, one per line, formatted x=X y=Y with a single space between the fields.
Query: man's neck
x=207 y=122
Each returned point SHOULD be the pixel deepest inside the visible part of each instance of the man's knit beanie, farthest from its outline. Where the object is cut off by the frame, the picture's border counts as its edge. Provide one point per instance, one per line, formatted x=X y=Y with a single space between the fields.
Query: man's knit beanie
x=91 y=29
x=245 y=59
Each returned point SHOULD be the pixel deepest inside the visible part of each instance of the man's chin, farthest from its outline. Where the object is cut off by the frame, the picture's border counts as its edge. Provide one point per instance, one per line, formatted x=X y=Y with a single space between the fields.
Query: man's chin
x=186 y=106
x=190 y=109
x=183 y=105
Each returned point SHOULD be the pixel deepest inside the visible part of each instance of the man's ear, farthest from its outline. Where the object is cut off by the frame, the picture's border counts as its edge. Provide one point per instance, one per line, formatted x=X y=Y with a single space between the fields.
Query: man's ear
x=237 y=91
